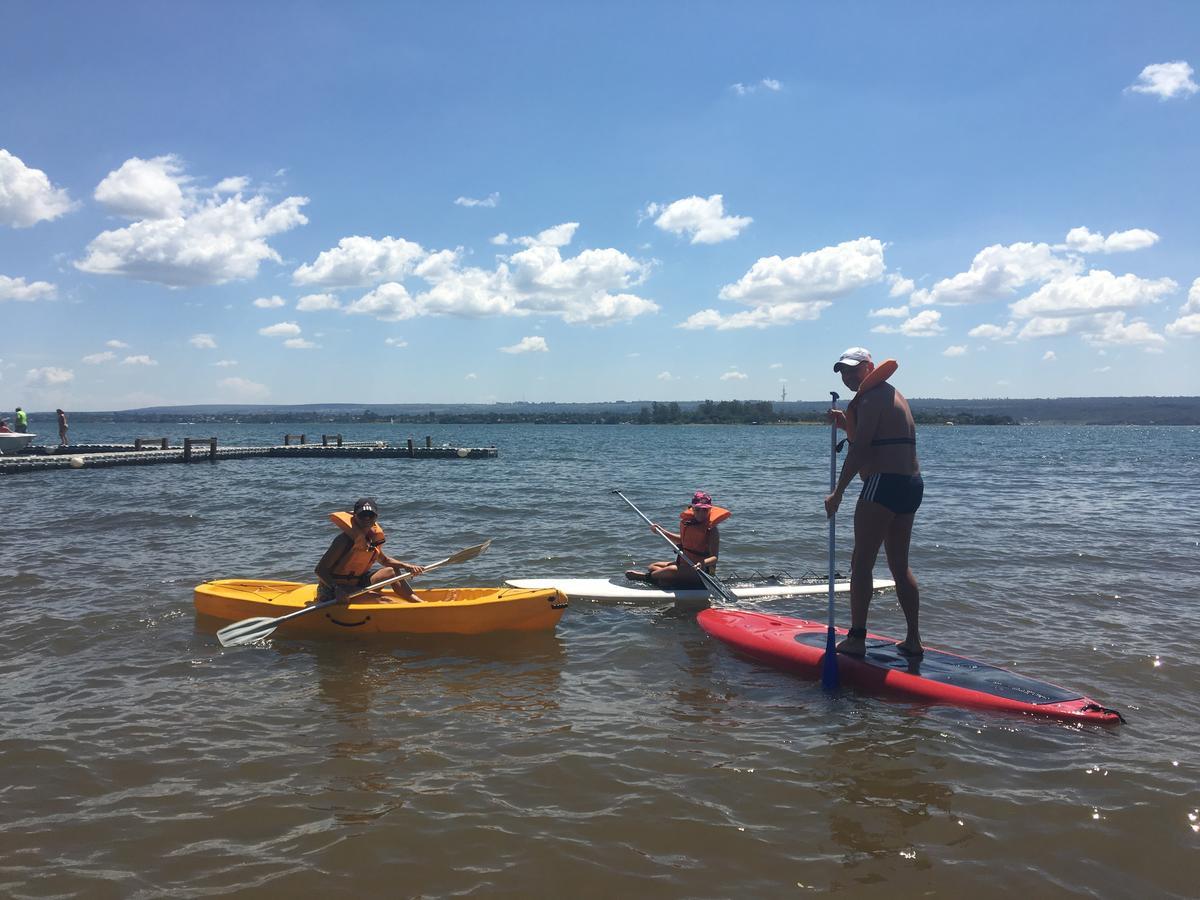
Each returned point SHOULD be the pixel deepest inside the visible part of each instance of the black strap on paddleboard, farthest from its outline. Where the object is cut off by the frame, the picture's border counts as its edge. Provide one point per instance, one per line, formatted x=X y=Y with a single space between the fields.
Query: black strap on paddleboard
x=1096 y=707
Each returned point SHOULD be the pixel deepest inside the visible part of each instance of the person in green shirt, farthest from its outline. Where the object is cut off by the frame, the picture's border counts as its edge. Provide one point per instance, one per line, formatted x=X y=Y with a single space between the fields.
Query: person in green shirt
x=22 y=421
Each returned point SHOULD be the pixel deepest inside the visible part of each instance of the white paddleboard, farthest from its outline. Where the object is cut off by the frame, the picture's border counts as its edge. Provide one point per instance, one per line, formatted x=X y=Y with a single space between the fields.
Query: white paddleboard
x=622 y=590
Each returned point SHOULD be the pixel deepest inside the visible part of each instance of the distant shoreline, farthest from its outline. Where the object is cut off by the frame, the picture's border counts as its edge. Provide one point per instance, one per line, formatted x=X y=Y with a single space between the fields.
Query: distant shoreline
x=1182 y=411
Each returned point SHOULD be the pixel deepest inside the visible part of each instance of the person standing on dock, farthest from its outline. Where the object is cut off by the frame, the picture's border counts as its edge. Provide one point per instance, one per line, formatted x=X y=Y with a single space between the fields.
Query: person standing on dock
x=22 y=421
x=346 y=565
x=62 y=427
x=883 y=450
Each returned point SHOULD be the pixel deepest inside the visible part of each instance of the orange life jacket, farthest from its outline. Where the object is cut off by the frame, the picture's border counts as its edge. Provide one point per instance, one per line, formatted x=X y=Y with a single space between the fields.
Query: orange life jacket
x=693 y=536
x=357 y=561
x=878 y=376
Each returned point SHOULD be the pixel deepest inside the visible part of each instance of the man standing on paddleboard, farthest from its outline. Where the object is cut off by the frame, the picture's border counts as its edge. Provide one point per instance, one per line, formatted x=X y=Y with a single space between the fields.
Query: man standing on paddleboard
x=883 y=450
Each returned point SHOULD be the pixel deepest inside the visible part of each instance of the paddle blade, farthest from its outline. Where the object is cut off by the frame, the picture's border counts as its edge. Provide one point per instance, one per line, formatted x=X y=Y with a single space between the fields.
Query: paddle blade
x=717 y=589
x=247 y=631
x=829 y=663
x=464 y=555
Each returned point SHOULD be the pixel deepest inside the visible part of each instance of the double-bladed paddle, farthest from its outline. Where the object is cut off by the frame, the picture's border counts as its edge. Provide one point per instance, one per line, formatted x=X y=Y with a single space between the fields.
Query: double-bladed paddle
x=247 y=631
x=716 y=588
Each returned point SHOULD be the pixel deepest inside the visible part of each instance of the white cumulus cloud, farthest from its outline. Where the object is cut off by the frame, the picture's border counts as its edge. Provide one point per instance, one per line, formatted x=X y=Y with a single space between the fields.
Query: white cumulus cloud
x=208 y=239
x=663 y=376
x=993 y=332
x=269 y=302
x=144 y=188
x=734 y=375
x=889 y=312
x=1046 y=326
x=1049 y=356
x=26 y=194
x=1085 y=241
x=490 y=200
x=900 y=286
x=818 y=275
x=203 y=342
x=955 y=350
x=233 y=185
x=48 y=376
x=359 y=261
x=533 y=344
x=95 y=359
x=242 y=389
x=592 y=287
x=702 y=218
x=763 y=317
x=1185 y=326
x=27 y=291
x=926 y=323
x=395 y=342
x=140 y=359
x=1166 y=80
x=554 y=236
x=1112 y=329
x=116 y=344
x=1193 y=299
x=225 y=363
x=786 y=290
x=280 y=329
x=298 y=343
x=771 y=85
x=317 y=302
x=389 y=302
x=997 y=272
x=1096 y=292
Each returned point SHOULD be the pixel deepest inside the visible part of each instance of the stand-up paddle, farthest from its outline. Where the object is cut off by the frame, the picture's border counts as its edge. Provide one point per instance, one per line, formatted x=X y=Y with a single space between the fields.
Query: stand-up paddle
x=716 y=588
x=248 y=631
x=829 y=665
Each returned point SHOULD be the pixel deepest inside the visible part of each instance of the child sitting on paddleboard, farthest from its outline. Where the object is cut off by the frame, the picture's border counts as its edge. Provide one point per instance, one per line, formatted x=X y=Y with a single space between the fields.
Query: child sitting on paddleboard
x=699 y=542
x=346 y=565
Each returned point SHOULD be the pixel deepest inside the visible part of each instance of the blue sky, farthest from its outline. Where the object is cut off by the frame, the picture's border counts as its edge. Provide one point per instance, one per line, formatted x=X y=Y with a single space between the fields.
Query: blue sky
x=302 y=202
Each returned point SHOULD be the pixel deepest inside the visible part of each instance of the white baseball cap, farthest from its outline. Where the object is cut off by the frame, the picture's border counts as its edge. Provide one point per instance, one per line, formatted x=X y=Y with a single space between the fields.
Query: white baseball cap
x=853 y=357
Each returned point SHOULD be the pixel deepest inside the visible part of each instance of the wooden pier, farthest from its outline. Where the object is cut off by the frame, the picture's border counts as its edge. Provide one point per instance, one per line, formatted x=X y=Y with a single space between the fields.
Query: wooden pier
x=148 y=451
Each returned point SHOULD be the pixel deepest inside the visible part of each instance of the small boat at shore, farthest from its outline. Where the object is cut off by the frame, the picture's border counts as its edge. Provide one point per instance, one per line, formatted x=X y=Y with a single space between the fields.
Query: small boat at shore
x=12 y=442
x=621 y=590
x=441 y=610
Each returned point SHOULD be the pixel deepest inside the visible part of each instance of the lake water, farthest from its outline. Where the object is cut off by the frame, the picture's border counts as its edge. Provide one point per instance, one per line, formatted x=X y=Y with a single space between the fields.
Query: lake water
x=626 y=753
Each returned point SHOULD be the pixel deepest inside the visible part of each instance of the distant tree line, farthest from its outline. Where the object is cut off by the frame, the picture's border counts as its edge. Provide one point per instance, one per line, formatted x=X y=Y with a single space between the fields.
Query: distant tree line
x=931 y=411
x=709 y=412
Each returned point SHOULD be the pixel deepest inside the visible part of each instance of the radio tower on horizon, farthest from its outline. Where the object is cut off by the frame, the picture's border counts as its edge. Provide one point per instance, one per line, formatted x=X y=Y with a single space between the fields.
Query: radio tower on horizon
x=783 y=394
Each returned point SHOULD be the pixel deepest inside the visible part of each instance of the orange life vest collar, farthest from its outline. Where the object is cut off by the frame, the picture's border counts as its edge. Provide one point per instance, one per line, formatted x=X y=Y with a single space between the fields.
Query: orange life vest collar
x=875 y=377
x=693 y=535
x=365 y=549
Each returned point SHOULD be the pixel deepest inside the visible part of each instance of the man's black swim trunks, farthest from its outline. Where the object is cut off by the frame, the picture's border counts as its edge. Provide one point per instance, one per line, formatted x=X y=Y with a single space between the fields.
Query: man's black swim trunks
x=900 y=493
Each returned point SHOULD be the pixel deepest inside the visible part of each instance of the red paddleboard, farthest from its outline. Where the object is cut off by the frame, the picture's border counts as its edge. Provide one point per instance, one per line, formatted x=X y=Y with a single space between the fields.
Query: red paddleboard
x=798 y=645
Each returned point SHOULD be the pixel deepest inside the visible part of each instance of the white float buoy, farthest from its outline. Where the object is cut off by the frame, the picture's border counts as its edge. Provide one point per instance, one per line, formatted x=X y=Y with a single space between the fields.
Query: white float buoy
x=463 y=452
x=76 y=462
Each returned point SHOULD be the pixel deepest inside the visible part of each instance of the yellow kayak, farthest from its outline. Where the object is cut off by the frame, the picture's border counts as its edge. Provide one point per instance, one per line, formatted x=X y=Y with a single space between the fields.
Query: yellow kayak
x=441 y=610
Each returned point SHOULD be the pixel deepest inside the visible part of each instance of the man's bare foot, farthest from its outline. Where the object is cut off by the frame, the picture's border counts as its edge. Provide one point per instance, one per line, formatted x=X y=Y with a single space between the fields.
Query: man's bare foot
x=909 y=649
x=853 y=646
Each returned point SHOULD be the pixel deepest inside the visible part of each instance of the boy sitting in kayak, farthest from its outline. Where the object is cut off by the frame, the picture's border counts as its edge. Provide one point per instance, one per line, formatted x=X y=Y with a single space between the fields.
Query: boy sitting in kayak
x=698 y=541
x=346 y=565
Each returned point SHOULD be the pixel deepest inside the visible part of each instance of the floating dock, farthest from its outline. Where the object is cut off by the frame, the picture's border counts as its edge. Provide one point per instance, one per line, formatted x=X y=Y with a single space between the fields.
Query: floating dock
x=148 y=452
